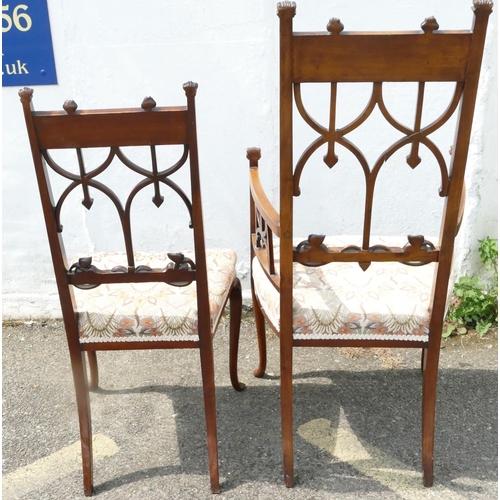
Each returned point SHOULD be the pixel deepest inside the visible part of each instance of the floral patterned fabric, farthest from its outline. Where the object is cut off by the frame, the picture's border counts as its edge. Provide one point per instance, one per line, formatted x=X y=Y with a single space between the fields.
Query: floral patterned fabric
x=150 y=311
x=388 y=301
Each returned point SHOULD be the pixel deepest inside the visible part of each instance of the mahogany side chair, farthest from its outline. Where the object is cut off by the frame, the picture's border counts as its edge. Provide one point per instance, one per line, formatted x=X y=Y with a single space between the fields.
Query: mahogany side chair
x=125 y=297
x=344 y=291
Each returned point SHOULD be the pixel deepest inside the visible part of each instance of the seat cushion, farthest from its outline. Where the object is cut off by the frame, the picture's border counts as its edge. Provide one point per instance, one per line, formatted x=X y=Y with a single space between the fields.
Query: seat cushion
x=150 y=311
x=388 y=301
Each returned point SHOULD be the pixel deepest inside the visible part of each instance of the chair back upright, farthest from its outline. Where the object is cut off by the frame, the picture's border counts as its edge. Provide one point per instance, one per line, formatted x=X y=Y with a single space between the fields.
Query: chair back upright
x=114 y=129
x=336 y=57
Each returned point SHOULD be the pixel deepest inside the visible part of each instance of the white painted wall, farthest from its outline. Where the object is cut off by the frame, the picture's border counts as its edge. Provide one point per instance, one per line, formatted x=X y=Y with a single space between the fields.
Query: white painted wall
x=111 y=54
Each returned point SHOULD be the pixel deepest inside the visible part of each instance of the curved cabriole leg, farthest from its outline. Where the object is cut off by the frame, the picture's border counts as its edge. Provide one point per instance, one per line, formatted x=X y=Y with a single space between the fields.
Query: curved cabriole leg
x=429 y=414
x=94 y=371
x=83 y=404
x=207 y=373
x=260 y=326
x=235 y=306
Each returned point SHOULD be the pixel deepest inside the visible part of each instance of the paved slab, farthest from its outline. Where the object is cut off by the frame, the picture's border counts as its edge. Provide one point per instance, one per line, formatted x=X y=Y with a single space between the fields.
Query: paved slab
x=357 y=422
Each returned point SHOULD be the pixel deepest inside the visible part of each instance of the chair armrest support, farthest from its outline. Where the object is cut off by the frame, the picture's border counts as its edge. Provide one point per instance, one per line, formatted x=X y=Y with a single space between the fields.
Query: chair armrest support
x=262 y=202
x=265 y=221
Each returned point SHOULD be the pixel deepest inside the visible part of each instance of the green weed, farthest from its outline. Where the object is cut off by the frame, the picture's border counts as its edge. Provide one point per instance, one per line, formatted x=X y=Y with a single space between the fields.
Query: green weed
x=475 y=304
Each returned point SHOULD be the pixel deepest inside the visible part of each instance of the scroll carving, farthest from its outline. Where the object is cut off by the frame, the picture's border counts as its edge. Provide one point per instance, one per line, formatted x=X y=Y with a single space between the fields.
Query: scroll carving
x=181 y=272
x=84 y=265
x=264 y=240
x=180 y=262
x=416 y=243
x=314 y=253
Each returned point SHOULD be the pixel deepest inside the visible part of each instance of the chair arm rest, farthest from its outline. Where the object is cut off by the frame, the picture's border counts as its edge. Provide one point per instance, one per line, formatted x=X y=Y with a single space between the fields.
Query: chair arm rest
x=262 y=202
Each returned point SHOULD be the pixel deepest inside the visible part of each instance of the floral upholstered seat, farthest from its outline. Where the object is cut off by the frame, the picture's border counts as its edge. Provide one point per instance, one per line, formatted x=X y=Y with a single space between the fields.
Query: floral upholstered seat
x=150 y=311
x=357 y=160
x=341 y=301
x=132 y=300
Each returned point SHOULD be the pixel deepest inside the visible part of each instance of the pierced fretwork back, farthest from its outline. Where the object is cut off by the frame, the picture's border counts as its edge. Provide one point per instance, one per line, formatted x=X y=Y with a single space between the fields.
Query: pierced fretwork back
x=322 y=292
x=338 y=57
x=144 y=298
x=82 y=131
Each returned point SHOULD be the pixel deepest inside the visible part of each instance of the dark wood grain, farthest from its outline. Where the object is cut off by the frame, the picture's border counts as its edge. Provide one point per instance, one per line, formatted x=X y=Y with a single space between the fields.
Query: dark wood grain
x=148 y=126
x=374 y=57
x=339 y=56
x=92 y=129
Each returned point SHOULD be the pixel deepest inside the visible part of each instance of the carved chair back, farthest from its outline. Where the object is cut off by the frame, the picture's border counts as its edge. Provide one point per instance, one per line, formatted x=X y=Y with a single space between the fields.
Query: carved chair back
x=337 y=57
x=134 y=308
x=378 y=305
x=148 y=127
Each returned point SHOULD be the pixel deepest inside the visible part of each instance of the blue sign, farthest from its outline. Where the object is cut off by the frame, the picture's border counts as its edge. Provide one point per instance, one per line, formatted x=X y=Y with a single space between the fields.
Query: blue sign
x=27 y=53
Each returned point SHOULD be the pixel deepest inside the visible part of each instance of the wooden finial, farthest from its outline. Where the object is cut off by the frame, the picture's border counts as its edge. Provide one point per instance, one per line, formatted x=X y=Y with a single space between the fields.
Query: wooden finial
x=429 y=25
x=70 y=107
x=25 y=94
x=148 y=103
x=190 y=88
x=335 y=26
x=253 y=155
x=286 y=8
x=486 y=5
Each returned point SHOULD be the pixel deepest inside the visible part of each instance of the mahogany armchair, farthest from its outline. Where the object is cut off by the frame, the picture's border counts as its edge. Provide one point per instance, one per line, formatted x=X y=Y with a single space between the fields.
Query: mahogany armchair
x=365 y=291
x=124 y=297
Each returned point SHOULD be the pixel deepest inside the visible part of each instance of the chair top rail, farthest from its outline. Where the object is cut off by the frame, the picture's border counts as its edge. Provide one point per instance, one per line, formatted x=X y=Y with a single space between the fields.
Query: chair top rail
x=367 y=57
x=101 y=128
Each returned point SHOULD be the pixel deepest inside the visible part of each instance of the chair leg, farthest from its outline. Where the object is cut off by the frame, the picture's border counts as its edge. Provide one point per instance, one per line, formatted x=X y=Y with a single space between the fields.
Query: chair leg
x=83 y=404
x=423 y=359
x=94 y=371
x=286 y=388
x=429 y=389
x=260 y=326
x=207 y=373
x=235 y=306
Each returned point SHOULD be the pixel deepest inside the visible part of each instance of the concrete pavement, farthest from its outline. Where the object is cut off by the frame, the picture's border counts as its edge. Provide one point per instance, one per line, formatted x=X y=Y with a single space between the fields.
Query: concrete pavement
x=357 y=422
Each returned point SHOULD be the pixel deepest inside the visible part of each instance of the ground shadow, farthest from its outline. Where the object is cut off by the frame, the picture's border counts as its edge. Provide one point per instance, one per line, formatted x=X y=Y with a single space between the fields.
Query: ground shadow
x=381 y=407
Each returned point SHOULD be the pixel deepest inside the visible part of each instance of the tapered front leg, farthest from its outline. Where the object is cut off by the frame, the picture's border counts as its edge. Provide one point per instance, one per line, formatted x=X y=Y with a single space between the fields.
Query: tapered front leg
x=207 y=373
x=287 y=411
x=83 y=404
x=429 y=390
